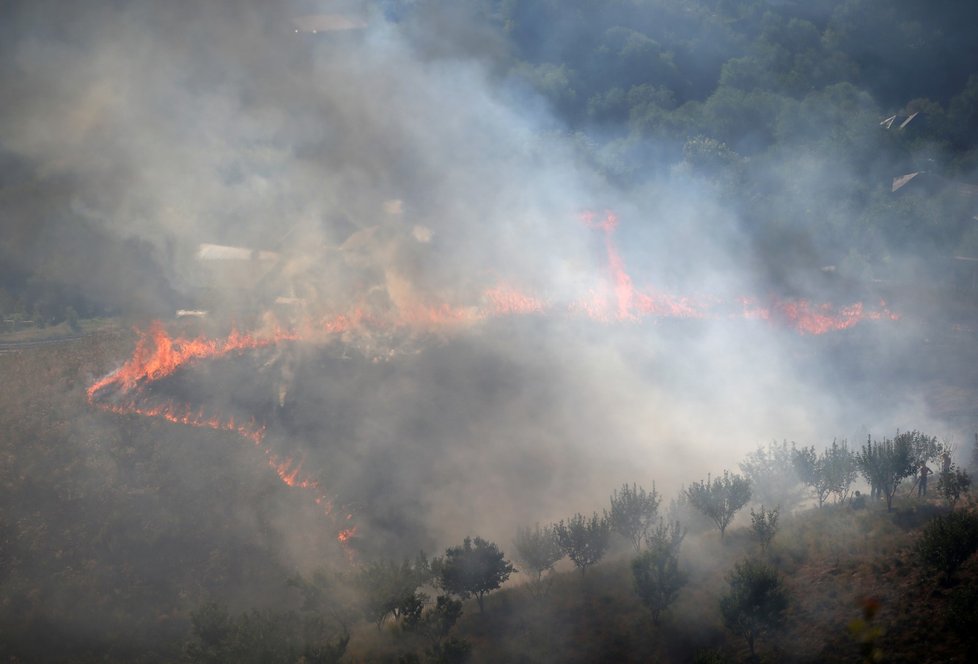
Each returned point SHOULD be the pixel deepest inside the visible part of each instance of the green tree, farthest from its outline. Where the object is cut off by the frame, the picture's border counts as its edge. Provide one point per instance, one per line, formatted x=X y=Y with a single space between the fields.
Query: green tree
x=923 y=448
x=832 y=471
x=765 y=525
x=947 y=541
x=440 y=619
x=720 y=498
x=476 y=568
x=773 y=477
x=537 y=550
x=656 y=572
x=389 y=590
x=952 y=483
x=756 y=602
x=584 y=539
x=633 y=512
x=885 y=464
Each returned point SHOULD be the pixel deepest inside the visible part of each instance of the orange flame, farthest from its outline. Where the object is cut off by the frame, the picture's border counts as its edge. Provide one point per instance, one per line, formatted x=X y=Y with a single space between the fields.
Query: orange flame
x=505 y=301
x=157 y=355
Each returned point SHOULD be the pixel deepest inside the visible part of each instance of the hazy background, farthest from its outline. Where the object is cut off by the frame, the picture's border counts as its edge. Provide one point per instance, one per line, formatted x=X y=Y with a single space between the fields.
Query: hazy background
x=445 y=148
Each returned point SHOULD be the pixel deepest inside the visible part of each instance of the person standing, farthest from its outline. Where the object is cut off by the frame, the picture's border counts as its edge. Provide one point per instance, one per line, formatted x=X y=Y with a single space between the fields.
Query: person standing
x=922 y=480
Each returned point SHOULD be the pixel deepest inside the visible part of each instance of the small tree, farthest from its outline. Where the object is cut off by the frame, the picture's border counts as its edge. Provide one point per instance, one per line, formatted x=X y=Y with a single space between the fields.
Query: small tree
x=584 y=539
x=832 y=471
x=756 y=602
x=721 y=498
x=439 y=620
x=947 y=541
x=765 y=525
x=476 y=568
x=773 y=477
x=952 y=484
x=633 y=512
x=537 y=550
x=885 y=464
x=389 y=590
x=656 y=572
x=923 y=448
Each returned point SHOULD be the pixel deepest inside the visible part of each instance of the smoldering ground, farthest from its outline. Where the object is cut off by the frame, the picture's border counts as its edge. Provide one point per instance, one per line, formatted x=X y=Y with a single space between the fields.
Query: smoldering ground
x=169 y=125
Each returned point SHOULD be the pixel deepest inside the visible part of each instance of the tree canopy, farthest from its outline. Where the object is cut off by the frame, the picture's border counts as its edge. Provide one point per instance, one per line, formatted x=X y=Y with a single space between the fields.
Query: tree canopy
x=720 y=498
x=477 y=567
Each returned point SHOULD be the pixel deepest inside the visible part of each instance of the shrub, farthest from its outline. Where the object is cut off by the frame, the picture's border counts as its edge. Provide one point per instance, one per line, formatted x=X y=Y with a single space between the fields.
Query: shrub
x=656 y=572
x=537 y=550
x=633 y=511
x=947 y=542
x=765 y=525
x=583 y=539
x=720 y=498
x=756 y=602
x=476 y=568
x=952 y=484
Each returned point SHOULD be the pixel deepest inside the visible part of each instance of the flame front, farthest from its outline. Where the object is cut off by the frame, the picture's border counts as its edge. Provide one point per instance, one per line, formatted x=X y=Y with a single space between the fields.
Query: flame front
x=157 y=355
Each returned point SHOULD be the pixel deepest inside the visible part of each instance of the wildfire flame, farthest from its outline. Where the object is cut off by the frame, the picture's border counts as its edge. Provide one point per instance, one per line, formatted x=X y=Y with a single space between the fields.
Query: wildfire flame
x=157 y=355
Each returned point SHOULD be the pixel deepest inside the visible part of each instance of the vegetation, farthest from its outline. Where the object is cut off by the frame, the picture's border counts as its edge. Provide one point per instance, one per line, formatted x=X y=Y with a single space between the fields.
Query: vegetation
x=951 y=484
x=131 y=539
x=832 y=471
x=765 y=525
x=658 y=578
x=584 y=540
x=261 y=636
x=756 y=603
x=392 y=591
x=721 y=498
x=773 y=475
x=633 y=513
x=885 y=464
x=477 y=567
x=537 y=550
x=947 y=542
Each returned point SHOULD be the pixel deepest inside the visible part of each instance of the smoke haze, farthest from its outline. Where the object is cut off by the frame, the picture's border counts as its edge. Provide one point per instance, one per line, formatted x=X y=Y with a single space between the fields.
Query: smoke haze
x=405 y=167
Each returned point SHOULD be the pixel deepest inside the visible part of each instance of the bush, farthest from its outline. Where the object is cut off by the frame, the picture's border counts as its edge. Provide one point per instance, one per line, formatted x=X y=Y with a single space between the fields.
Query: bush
x=952 y=484
x=537 y=550
x=947 y=542
x=756 y=602
x=720 y=498
x=633 y=512
x=962 y=610
x=584 y=540
x=765 y=525
x=476 y=568
x=656 y=571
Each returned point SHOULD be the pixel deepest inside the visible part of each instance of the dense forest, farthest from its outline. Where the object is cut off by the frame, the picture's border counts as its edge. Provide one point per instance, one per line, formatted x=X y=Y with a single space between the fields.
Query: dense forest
x=544 y=488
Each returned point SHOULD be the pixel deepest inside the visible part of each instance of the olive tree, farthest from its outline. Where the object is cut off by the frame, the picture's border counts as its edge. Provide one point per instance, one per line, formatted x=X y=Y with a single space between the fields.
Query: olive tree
x=656 y=572
x=720 y=498
x=952 y=483
x=773 y=477
x=764 y=523
x=885 y=464
x=389 y=590
x=756 y=602
x=477 y=567
x=537 y=550
x=832 y=471
x=633 y=513
x=584 y=539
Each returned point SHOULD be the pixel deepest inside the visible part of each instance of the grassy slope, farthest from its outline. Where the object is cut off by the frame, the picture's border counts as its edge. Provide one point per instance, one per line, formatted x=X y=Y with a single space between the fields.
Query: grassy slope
x=104 y=537
x=831 y=559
